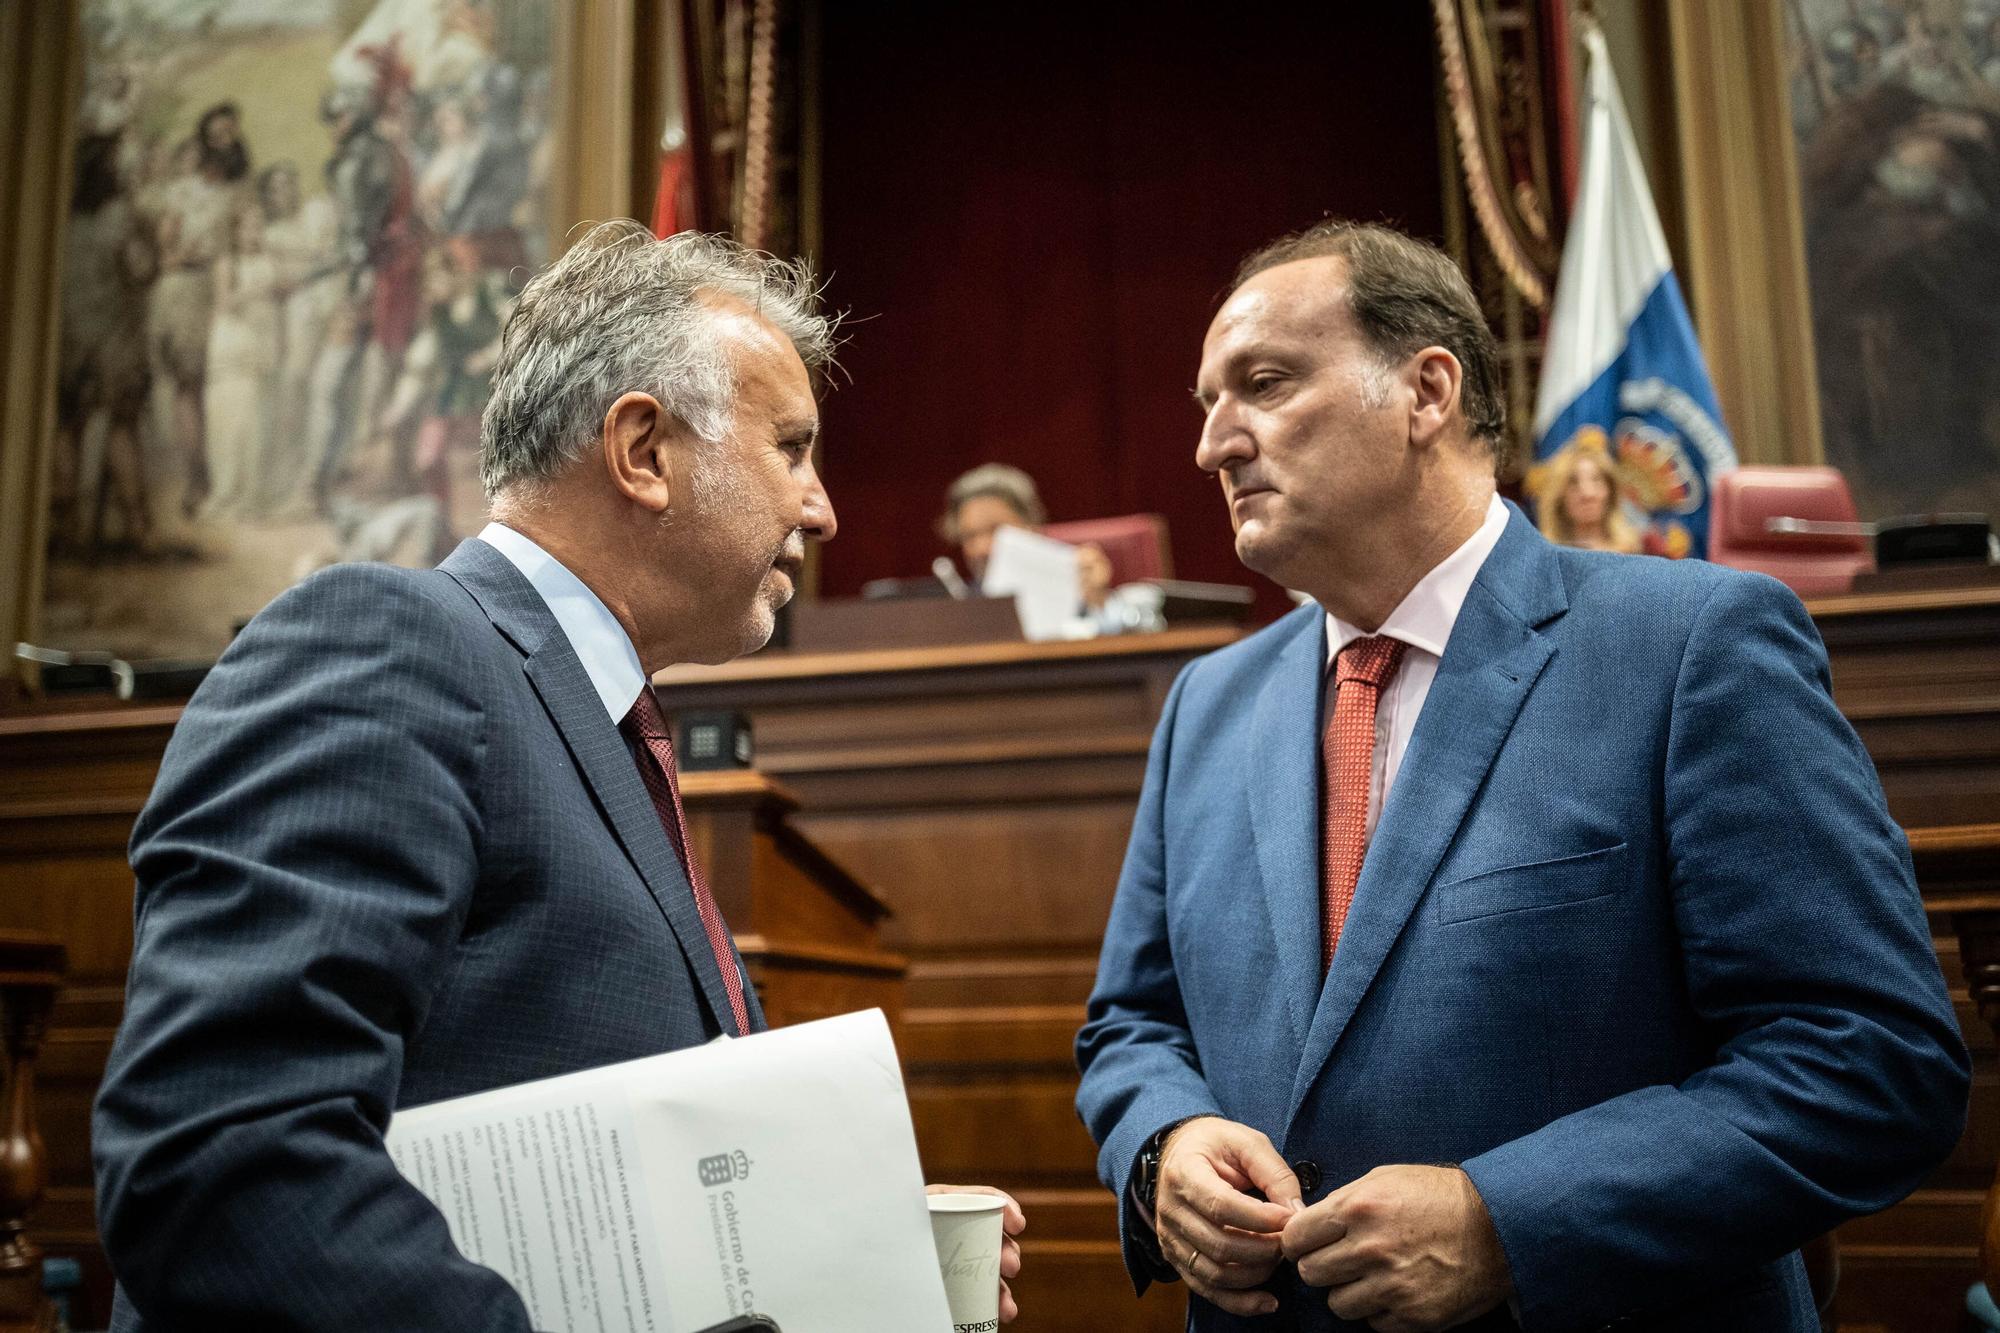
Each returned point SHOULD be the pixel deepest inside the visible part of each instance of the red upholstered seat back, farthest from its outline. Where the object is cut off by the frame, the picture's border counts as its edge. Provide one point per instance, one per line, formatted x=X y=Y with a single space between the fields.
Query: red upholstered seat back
x=1811 y=564
x=1136 y=544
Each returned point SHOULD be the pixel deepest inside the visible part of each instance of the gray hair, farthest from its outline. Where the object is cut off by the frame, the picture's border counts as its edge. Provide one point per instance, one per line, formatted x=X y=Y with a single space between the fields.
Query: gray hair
x=622 y=312
x=1001 y=482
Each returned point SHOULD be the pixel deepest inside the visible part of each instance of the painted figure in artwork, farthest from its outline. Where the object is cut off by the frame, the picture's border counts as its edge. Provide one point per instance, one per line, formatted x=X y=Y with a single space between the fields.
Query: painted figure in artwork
x=295 y=229
x=1897 y=111
x=442 y=389
x=194 y=226
x=244 y=347
x=380 y=240
x=299 y=235
x=109 y=262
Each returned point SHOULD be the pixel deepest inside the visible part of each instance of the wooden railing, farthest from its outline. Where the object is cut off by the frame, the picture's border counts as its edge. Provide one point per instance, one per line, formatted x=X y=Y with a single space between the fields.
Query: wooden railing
x=1959 y=868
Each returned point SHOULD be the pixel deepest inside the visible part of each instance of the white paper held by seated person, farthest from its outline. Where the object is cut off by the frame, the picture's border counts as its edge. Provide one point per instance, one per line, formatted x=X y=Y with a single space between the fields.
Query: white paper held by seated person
x=1042 y=574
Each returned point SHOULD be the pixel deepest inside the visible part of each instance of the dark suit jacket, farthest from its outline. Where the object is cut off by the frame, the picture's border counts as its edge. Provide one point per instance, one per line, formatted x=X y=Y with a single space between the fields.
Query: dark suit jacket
x=397 y=852
x=1636 y=942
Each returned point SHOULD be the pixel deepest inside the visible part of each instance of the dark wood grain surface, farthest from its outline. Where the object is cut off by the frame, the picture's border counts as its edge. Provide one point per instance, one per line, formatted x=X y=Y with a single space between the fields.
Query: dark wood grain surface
x=985 y=792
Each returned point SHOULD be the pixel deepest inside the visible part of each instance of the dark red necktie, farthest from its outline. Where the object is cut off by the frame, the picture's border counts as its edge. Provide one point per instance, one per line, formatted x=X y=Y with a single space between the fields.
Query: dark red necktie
x=1347 y=756
x=646 y=725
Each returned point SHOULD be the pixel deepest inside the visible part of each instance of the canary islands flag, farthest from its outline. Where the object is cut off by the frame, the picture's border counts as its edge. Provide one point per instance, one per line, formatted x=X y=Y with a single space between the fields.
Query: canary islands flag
x=1622 y=374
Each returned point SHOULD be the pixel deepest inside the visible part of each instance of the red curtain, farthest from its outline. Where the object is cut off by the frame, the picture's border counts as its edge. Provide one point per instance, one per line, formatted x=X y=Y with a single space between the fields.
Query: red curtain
x=1031 y=211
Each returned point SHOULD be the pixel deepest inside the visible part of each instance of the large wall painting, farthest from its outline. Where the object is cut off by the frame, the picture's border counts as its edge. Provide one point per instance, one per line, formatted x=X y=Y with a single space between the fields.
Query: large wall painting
x=294 y=231
x=1896 y=107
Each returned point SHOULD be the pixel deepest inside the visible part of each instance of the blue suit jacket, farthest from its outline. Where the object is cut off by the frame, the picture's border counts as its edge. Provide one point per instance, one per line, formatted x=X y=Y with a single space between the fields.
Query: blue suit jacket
x=397 y=852
x=1636 y=942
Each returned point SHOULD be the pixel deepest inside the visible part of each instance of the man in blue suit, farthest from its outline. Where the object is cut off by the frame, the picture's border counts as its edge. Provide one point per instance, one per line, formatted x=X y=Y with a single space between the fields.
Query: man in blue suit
x=419 y=833
x=1517 y=935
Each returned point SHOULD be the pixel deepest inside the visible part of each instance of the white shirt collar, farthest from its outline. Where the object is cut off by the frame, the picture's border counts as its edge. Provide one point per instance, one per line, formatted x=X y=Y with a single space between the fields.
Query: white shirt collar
x=1424 y=618
x=601 y=644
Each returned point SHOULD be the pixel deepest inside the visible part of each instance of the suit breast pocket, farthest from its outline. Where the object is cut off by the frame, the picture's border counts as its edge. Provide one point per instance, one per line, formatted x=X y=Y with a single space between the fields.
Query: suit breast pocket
x=1546 y=883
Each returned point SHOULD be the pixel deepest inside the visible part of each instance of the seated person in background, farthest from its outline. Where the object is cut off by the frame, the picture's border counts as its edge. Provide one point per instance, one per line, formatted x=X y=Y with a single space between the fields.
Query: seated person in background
x=1576 y=499
x=994 y=496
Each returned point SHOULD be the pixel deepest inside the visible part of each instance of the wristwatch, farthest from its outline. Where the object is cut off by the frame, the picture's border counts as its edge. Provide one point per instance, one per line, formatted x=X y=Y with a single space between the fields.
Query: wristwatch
x=1146 y=1171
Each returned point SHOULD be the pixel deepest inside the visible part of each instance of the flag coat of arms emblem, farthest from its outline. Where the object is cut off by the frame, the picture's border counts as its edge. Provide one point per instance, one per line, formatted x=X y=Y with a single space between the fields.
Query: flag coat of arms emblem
x=1622 y=374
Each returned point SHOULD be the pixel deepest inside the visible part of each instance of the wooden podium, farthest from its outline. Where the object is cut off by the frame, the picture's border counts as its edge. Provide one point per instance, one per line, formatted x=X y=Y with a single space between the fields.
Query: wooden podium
x=807 y=928
x=986 y=791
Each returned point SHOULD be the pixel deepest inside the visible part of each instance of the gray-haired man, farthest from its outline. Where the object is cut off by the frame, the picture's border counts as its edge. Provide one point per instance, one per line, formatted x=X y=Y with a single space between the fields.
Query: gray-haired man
x=418 y=833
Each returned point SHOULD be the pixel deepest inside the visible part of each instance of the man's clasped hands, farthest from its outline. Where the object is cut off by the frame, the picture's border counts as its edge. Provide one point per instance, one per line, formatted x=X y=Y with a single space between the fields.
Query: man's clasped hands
x=1404 y=1248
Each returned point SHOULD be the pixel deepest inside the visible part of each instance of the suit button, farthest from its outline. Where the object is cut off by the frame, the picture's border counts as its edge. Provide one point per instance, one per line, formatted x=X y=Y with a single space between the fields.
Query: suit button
x=1308 y=1174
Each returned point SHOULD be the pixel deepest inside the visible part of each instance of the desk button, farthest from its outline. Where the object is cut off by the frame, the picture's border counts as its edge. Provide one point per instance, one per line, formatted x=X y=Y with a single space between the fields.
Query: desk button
x=1308 y=1174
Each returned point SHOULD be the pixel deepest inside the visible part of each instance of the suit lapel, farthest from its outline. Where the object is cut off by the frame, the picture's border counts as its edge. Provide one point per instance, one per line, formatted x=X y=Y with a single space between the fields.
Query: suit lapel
x=1284 y=813
x=1489 y=666
x=594 y=742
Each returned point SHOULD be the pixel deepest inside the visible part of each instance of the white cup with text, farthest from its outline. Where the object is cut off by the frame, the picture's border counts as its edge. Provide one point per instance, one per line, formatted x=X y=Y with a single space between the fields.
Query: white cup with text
x=966 y=1228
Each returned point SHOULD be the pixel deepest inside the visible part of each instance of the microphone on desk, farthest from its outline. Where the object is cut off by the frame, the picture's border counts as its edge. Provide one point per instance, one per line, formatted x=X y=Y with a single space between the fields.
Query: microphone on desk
x=947 y=574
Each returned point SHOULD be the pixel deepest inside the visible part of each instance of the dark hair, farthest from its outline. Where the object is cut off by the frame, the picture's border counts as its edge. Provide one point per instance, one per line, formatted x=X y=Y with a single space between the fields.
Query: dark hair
x=231 y=163
x=219 y=111
x=1009 y=484
x=97 y=180
x=1406 y=295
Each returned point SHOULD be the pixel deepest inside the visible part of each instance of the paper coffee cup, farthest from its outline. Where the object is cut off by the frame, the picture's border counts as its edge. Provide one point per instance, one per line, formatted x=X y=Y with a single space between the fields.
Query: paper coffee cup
x=966 y=1228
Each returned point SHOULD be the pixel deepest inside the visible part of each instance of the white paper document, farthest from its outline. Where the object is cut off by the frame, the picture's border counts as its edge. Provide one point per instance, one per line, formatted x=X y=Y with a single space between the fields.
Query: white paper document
x=1042 y=574
x=776 y=1174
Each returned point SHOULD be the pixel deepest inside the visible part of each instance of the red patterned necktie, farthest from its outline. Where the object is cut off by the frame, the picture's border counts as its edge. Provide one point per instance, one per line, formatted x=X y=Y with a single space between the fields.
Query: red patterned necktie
x=648 y=726
x=1347 y=757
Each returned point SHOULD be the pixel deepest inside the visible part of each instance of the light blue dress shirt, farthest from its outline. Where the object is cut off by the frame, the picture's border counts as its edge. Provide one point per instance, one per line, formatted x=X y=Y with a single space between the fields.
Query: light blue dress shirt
x=601 y=643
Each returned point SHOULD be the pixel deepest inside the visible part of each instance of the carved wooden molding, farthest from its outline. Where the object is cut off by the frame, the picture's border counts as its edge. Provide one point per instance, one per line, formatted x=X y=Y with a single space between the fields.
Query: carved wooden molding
x=1959 y=868
x=1495 y=103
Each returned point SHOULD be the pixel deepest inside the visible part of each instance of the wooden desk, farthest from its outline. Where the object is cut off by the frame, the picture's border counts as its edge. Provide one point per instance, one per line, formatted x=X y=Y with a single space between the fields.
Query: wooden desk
x=807 y=928
x=986 y=791
x=1918 y=674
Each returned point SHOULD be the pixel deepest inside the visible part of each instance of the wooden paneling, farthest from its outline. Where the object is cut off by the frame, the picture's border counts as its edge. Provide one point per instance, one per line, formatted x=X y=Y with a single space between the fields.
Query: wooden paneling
x=70 y=786
x=1918 y=674
x=986 y=792
x=988 y=795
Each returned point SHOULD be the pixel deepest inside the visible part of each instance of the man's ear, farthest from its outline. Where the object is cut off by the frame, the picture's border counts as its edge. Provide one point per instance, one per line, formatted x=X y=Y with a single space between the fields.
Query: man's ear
x=638 y=441
x=1436 y=377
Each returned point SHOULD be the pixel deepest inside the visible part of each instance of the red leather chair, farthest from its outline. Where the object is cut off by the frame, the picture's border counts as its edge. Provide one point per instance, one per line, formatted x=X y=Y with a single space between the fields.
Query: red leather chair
x=1809 y=563
x=1136 y=544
